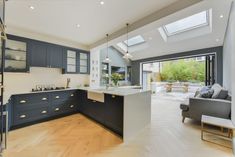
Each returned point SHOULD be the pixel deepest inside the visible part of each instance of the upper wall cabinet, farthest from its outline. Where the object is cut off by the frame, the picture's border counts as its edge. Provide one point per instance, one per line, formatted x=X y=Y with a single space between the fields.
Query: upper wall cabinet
x=16 y=54
x=71 y=60
x=55 y=54
x=46 y=55
x=22 y=53
x=38 y=54
x=83 y=63
x=76 y=61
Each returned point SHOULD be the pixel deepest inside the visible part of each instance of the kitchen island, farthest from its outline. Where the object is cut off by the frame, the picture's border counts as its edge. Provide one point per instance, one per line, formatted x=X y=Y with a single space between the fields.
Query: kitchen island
x=124 y=111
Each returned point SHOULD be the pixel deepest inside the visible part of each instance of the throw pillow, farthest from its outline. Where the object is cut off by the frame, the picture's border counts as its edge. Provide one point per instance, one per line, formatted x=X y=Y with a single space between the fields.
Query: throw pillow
x=217 y=88
x=223 y=94
x=207 y=94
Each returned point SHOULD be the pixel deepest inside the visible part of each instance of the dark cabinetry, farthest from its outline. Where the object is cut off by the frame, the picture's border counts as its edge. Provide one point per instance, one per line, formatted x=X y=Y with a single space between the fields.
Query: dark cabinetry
x=16 y=54
x=30 y=108
x=109 y=113
x=21 y=53
x=76 y=61
x=46 y=55
x=38 y=52
x=114 y=113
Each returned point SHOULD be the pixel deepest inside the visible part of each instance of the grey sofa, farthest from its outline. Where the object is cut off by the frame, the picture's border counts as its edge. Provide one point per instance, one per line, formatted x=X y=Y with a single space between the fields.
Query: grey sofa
x=206 y=106
x=210 y=100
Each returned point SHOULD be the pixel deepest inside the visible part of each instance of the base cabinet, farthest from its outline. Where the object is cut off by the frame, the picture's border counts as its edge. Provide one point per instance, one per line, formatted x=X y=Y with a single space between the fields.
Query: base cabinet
x=114 y=113
x=32 y=108
x=29 y=109
x=109 y=113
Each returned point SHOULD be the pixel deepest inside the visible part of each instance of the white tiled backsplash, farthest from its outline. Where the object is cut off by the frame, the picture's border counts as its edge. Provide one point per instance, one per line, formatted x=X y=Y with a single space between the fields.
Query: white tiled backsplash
x=24 y=82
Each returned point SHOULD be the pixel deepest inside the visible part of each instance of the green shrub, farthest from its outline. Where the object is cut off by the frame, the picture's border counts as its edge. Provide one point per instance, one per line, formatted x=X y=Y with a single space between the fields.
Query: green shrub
x=183 y=71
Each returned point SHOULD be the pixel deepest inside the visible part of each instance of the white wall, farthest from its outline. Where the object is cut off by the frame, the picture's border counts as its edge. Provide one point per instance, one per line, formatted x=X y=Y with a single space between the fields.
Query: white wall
x=229 y=57
x=94 y=68
x=229 y=61
x=24 y=82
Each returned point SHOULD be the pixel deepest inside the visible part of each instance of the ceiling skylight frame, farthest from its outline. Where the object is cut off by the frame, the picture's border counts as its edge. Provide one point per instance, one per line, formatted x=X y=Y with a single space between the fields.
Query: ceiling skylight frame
x=141 y=41
x=207 y=23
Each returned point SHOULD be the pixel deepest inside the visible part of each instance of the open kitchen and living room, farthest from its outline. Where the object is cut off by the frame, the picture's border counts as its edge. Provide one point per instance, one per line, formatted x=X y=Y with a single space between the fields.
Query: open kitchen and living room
x=117 y=78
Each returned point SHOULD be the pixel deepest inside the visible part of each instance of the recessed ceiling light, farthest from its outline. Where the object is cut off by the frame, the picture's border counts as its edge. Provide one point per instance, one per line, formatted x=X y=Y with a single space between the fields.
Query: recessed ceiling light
x=221 y=16
x=31 y=7
x=217 y=40
x=78 y=26
x=102 y=2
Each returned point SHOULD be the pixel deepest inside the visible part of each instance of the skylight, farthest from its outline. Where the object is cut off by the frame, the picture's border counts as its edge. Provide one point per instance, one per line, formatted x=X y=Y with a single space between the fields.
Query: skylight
x=195 y=21
x=122 y=46
x=135 y=41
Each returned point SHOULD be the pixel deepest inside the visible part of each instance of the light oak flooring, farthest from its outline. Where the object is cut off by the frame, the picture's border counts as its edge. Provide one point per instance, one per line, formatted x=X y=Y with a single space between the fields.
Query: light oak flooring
x=77 y=136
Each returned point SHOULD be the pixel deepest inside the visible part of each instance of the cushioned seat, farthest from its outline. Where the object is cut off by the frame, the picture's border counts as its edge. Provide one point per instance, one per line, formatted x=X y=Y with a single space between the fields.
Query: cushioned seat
x=218 y=105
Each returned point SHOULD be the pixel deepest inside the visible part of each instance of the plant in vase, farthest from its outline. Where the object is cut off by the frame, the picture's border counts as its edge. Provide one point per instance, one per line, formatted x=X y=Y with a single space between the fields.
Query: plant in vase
x=115 y=77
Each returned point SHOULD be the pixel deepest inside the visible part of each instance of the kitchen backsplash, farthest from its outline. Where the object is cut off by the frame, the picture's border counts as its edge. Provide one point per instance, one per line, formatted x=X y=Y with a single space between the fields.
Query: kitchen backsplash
x=24 y=82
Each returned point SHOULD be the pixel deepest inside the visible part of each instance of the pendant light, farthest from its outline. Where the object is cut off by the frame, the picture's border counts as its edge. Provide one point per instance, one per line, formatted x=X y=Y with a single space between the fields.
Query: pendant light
x=127 y=55
x=107 y=59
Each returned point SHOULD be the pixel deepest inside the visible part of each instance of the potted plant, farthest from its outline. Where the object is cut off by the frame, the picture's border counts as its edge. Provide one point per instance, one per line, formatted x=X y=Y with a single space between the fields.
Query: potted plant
x=115 y=77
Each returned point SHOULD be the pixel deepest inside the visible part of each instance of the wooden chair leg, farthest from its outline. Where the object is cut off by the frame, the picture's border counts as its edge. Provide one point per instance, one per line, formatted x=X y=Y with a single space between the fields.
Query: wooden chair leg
x=183 y=119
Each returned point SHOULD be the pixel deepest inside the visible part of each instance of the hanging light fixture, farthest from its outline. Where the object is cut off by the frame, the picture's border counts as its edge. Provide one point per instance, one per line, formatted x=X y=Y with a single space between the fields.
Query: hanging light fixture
x=127 y=55
x=107 y=59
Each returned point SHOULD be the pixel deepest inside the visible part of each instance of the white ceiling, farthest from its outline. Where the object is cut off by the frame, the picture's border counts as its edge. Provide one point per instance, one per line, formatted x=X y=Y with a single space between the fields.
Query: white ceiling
x=156 y=46
x=58 y=18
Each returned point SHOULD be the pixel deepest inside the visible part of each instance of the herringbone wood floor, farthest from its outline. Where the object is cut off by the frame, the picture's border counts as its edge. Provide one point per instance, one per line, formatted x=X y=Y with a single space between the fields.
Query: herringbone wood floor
x=77 y=136
x=73 y=136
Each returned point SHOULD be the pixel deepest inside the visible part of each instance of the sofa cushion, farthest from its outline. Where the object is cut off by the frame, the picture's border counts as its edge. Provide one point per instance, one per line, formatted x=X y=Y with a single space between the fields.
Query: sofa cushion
x=223 y=94
x=217 y=88
x=207 y=94
x=204 y=92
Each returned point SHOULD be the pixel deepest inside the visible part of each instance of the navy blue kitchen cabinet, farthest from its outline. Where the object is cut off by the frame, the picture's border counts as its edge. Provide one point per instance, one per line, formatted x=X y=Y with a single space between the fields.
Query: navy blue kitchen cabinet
x=27 y=109
x=46 y=55
x=109 y=113
x=76 y=61
x=16 y=54
x=23 y=53
x=38 y=54
x=92 y=109
x=55 y=56
x=114 y=113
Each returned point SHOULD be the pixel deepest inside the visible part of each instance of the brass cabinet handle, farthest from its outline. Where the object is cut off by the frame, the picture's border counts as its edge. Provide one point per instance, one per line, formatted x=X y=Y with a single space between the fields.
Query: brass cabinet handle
x=23 y=101
x=57 y=97
x=44 y=112
x=44 y=99
x=72 y=95
x=22 y=116
x=113 y=96
x=57 y=109
x=93 y=101
x=71 y=106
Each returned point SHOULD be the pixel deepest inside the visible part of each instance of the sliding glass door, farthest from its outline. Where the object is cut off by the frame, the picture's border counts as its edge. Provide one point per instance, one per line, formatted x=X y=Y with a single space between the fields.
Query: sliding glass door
x=210 y=69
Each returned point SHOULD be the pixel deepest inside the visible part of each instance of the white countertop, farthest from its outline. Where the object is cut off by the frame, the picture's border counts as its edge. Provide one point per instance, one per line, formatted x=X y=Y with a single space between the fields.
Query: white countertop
x=115 y=90
x=46 y=91
x=121 y=91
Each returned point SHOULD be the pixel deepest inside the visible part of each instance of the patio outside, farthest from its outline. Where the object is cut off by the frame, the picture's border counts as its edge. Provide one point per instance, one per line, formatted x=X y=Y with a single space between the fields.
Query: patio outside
x=179 y=78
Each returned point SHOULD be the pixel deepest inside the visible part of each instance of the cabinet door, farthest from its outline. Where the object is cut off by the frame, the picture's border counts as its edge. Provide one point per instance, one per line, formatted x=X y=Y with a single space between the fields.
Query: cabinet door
x=38 y=53
x=114 y=113
x=71 y=60
x=83 y=63
x=55 y=55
